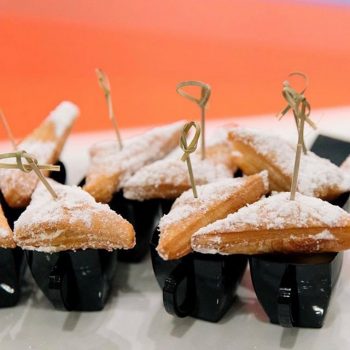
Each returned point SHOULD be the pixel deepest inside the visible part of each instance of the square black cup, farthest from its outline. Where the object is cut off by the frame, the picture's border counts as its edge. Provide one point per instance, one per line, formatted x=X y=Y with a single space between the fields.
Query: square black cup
x=334 y=149
x=295 y=290
x=198 y=285
x=74 y=280
x=144 y=216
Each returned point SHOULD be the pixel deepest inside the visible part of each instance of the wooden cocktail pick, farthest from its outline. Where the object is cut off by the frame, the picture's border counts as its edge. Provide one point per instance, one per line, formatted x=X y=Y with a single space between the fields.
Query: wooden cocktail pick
x=201 y=102
x=188 y=149
x=298 y=103
x=32 y=164
x=7 y=128
x=106 y=87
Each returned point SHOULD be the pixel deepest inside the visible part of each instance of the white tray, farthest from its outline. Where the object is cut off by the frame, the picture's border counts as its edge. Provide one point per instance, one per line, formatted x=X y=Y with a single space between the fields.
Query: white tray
x=134 y=317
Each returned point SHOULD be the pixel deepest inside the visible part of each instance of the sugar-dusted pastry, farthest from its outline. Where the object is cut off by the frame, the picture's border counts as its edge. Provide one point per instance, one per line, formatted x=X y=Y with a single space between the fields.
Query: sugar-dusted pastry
x=45 y=143
x=215 y=201
x=168 y=177
x=278 y=225
x=258 y=151
x=6 y=235
x=111 y=167
x=72 y=221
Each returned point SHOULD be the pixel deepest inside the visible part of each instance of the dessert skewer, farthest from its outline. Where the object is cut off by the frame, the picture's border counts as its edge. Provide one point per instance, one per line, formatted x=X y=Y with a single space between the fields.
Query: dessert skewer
x=172 y=257
x=45 y=143
x=70 y=242
x=289 y=226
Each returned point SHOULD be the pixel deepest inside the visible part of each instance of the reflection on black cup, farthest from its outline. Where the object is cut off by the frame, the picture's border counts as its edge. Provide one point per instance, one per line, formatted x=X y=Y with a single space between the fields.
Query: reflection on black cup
x=295 y=290
x=12 y=265
x=79 y=280
x=198 y=285
x=144 y=216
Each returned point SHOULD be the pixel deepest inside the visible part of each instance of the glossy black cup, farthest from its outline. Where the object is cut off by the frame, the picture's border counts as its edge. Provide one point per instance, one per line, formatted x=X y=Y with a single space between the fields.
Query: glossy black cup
x=331 y=148
x=198 y=285
x=79 y=281
x=295 y=290
x=144 y=216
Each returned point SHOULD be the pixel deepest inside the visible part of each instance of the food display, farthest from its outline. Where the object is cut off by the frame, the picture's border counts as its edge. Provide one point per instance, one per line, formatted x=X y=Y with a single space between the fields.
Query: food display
x=244 y=195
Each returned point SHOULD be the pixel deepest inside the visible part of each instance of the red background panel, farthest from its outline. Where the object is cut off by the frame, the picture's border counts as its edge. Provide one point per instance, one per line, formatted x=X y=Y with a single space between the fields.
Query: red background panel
x=244 y=49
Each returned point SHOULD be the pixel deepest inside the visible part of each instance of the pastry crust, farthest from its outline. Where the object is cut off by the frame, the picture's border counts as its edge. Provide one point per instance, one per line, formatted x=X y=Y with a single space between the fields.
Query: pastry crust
x=168 y=177
x=73 y=221
x=6 y=235
x=45 y=143
x=278 y=225
x=215 y=201
x=257 y=151
x=109 y=169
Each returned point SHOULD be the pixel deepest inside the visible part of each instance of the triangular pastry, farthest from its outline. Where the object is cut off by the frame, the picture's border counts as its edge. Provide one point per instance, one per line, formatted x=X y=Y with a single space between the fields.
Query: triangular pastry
x=168 y=177
x=278 y=225
x=45 y=143
x=73 y=221
x=257 y=151
x=110 y=167
x=215 y=201
x=6 y=235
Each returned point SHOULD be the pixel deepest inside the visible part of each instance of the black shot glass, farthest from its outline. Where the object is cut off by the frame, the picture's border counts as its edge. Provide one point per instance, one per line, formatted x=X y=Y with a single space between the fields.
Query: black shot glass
x=199 y=285
x=74 y=280
x=295 y=290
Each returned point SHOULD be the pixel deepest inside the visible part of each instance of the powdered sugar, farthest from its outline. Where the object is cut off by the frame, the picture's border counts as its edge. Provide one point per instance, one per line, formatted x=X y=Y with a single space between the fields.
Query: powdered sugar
x=72 y=202
x=186 y=204
x=18 y=186
x=279 y=212
x=173 y=172
x=4 y=233
x=324 y=235
x=137 y=152
x=63 y=116
x=315 y=172
x=24 y=183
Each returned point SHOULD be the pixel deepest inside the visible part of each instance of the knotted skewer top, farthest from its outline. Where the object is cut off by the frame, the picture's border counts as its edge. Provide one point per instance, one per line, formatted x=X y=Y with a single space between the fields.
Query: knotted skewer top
x=188 y=149
x=32 y=165
x=201 y=102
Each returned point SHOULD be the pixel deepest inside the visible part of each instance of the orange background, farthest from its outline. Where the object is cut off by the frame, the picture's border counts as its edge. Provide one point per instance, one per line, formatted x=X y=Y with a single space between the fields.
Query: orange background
x=243 y=48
